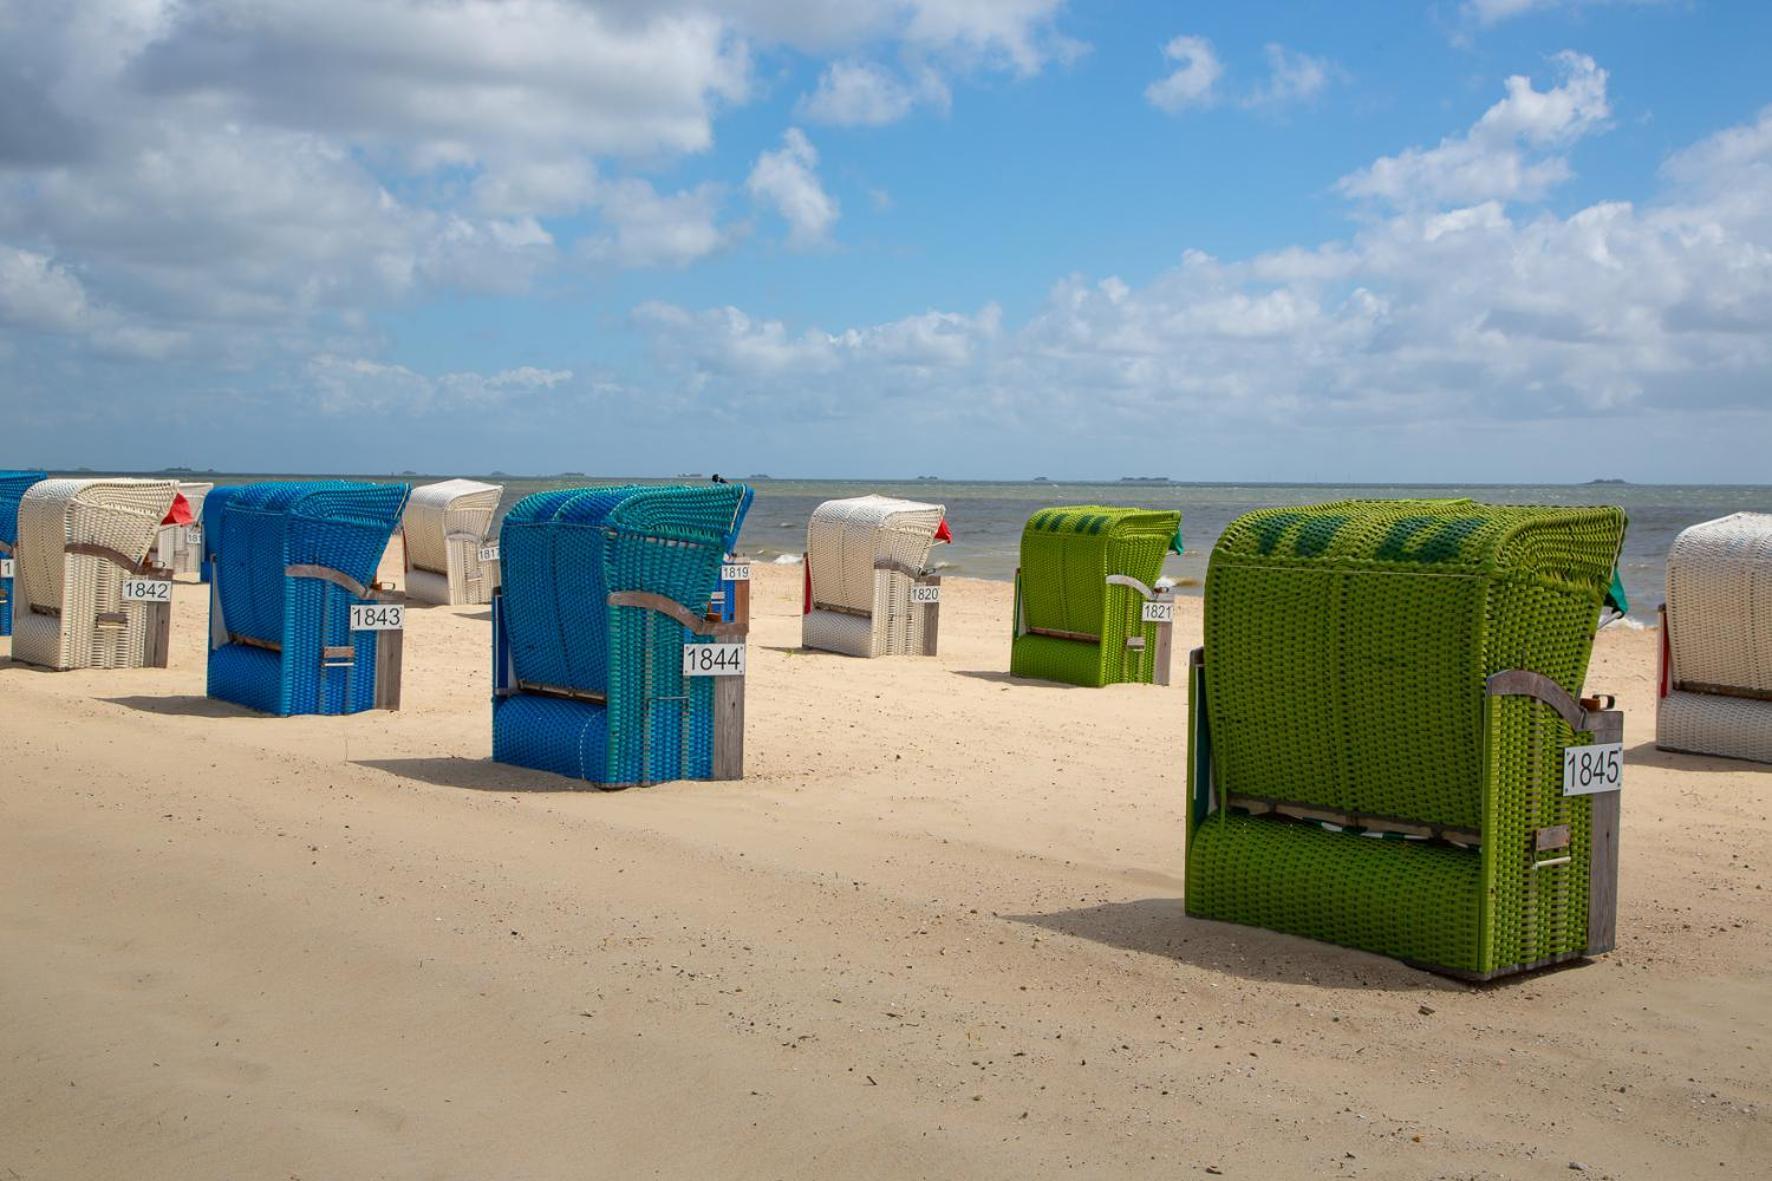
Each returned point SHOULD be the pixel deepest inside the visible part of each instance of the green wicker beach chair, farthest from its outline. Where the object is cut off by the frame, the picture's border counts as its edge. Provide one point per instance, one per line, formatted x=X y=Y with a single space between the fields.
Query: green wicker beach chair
x=1086 y=573
x=1378 y=732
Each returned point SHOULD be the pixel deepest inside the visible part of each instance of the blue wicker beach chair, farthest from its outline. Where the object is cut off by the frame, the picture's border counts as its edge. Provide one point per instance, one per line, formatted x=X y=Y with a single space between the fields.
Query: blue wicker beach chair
x=212 y=508
x=287 y=562
x=602 y=590
x=12 y=489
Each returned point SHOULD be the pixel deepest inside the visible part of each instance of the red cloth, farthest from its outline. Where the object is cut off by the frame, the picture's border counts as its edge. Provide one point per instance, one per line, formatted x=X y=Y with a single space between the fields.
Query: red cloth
x=806 y=604
x=942 y=532
x=180 y=512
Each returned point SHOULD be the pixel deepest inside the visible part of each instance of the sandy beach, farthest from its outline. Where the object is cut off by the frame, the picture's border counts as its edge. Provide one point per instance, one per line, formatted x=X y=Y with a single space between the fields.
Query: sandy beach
x=935 y=932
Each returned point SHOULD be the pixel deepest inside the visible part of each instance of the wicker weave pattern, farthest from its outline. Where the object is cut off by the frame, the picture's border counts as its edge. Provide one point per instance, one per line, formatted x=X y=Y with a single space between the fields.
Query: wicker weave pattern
x=1719 y=640
x=446 y=524
x=256 y=533
x=213 y=503
x=1348 y=647
x=564 y=553
x=58 y=596
x=173 y=550
x=1067 y=555
x=857 y=609
x=1715 y=724
x=12 y=488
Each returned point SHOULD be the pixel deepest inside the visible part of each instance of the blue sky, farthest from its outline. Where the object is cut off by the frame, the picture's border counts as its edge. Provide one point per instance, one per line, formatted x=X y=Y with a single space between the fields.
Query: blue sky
x=1459 y=240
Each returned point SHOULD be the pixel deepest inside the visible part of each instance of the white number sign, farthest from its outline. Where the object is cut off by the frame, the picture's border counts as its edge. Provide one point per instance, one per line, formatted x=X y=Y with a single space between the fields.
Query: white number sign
x=735 y=572
x=146 y=590
x=713 y=660
x=921 y=593
x=6 y=568
x=489 y=553
x=194 y=536
x=1158 y=611
x=378 y=617
x=1590 y=769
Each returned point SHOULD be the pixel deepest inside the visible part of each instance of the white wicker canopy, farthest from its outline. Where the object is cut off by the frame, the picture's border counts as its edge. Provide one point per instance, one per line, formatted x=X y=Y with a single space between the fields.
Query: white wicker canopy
x=174 y=550
x=1719 y=640
x=446 y=526
x=79 y=540
x=863 y=555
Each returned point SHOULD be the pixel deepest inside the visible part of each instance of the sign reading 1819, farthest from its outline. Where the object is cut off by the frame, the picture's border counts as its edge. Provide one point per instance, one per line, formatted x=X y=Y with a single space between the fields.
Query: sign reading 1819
x=146 y=590
x=713 y=660
x=1594 y=768
x=735 y=572
x=378 y=617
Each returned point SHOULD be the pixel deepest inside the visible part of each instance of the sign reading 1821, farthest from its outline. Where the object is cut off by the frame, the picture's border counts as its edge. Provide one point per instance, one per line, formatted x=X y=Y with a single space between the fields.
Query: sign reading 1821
x=713 y=660
x=378 y=617
x=1591 y=769
x=147 y=590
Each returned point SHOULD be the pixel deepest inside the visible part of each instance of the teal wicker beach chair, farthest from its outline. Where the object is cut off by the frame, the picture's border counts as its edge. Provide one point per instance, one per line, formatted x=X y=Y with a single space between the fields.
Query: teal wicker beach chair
x=1378 y=727
x=1086 y=573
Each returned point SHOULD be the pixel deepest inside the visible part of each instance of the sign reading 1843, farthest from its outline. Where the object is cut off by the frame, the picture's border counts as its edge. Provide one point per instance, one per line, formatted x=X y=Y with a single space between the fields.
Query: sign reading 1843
x=378 y=617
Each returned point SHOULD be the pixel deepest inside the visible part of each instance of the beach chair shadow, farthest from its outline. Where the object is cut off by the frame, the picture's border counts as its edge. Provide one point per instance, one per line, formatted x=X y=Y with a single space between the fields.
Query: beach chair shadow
x=998 y=676
x=1159 y=927
x=186 y=705
x=1647 y=754
x=474 y=774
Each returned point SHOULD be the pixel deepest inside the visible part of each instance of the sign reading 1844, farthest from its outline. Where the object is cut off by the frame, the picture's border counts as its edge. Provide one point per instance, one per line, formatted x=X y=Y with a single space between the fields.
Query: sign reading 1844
x=713 y=660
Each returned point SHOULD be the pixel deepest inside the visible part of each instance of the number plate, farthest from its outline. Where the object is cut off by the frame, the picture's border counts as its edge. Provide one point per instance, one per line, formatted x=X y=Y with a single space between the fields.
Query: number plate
x=378 y=617
x=1158 y=611
x=921 y=594
x=735 y=572
x=146 y=590
x=713 y=660
x=489 y=553
x=1590 y=769
x=6 y=567
x=194 y=535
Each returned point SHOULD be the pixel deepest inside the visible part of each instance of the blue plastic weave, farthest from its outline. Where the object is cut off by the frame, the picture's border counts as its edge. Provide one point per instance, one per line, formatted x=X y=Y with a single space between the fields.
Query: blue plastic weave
x=251 y=538
x=12 y=489
x=213 y=504
x=562 y=555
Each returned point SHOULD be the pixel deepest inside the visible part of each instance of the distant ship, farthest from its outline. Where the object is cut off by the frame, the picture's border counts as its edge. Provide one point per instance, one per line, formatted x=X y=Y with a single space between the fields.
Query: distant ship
x=929 y=477
x=1613 y=480
x=1144 y=479
x=1041 y=480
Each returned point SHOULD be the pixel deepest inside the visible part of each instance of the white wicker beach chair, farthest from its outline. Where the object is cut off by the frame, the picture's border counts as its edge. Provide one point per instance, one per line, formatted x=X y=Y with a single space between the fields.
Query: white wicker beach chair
x=1716 y=682
x=446 y=526
x=174 y=550
x=79 y=540
x=864 y=555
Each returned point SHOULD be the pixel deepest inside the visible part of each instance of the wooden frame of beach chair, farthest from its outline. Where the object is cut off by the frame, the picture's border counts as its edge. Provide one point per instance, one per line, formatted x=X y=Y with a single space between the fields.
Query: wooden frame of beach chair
x=13 y=486
x=1715 y=688
x=606 y=602
x=81 y=544
x=446 y=528
x=297 y=622
x=869 y=591
x=1386 y=743
x=1087 y=608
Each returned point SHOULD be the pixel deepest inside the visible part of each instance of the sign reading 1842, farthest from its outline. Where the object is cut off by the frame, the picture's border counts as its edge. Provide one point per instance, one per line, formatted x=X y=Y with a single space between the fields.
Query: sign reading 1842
x=147 y=590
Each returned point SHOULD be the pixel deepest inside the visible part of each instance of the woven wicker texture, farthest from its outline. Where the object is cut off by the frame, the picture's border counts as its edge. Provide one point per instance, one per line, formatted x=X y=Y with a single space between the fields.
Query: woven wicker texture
x=1347 y=649
x=1067 y=555
x=212 y=507
x=446 y=525
x=857 y=609
x=278 y=625
x=68 y=608
x=564 y=553
x=1719 y=636
x=173 y=549
x=12 y=489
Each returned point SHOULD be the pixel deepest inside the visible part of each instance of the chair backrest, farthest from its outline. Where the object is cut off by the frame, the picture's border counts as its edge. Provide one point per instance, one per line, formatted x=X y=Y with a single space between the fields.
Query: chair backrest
x=565 y=551
x=12 y=490
x=450 y=509
x=1719 y=605
x=1347 y=644
x=121 y=516
x=846 y=537
x=1067 y=554
x=259 y=530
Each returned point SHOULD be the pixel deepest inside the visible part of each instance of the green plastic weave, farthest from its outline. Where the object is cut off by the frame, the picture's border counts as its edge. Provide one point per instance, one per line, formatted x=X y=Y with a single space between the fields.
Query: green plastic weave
x=1347 y=648
x=1066 y=557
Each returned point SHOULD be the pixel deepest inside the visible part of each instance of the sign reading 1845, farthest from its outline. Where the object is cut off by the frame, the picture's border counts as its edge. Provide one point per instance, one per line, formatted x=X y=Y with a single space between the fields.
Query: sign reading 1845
x=1595 y=768
x=378 y=617
x=147 y=590
x=713 y=660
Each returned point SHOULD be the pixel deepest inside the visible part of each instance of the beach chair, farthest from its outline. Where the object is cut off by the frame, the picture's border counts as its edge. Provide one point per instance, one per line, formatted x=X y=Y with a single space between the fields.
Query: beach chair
x=866 y=557
x=1381 y=722
x=1715 y=692
x=179 y=547
x=1086 y=575
x=290 y=561
x=446 y=527
x=12 y=489
x=604 y=610
x=84 y=548
x=212 y=505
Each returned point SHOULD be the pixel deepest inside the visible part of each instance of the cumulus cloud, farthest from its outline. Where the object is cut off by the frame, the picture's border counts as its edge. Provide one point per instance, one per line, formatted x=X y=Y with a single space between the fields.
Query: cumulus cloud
x=1512 y=153
x=787 y=180
x=359 y=385
x=1194 y=79
x=863 y=94
x=1292 y=77
x=1486 y=13
x=646 y=229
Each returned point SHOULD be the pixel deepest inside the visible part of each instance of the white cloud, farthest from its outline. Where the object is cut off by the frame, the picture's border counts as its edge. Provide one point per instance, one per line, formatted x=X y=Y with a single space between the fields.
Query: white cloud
x=650 y=230
x=862 y=94
x=1193 y=81
x=358 y=385
x=1486 y=13
x=1508 y=154
x=1292 y=77
x=787 y=180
